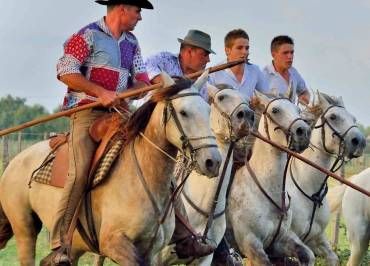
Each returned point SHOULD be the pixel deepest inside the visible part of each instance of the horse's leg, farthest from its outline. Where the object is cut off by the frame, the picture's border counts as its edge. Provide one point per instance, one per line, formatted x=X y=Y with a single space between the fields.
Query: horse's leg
x=291 y=246
x=120 y=249
x=25 y=232
x=252 y=247
x=99 y=260
x=75 y=257
x=322 y=248
x=359 y=238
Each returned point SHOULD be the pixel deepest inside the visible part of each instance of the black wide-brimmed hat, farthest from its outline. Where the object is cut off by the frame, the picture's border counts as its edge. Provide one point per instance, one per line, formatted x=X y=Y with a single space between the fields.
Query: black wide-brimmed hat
x=199 y=39
x=139 y=3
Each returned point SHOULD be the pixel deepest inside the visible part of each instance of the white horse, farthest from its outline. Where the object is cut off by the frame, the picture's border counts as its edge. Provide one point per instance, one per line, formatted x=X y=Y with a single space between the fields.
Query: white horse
x=356 y=214
x=335 y=136
x=130 y=204
x=258 y=210
x=231 y=119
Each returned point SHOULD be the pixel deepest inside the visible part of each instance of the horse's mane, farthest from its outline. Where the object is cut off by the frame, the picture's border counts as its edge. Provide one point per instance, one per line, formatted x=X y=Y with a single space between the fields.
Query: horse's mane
x=140 y=118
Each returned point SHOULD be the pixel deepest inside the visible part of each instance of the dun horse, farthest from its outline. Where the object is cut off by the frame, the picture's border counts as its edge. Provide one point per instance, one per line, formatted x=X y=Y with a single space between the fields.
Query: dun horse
x=127 y=207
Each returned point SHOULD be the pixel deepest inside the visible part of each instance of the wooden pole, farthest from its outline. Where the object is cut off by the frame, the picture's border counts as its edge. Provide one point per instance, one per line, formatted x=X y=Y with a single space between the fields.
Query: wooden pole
x=127 y=94
x=318 y=167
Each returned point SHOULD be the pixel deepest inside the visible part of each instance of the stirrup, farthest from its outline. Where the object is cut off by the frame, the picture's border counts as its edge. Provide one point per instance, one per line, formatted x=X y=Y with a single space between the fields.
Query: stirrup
x=234 y=258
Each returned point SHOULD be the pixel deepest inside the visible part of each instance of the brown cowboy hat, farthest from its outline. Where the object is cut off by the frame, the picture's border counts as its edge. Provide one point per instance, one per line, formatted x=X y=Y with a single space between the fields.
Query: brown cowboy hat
x=139 y=3
x=199 y=39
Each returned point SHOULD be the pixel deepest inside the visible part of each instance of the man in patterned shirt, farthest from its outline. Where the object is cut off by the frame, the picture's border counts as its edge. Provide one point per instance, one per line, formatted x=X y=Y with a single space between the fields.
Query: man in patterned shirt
x=99 y=61
x=194 y=56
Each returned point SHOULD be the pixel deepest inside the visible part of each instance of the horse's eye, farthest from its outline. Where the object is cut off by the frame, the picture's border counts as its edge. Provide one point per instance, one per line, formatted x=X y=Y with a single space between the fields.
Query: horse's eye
x=221 y=97
x=275 y=110
x=333 y=117
x=183 y=113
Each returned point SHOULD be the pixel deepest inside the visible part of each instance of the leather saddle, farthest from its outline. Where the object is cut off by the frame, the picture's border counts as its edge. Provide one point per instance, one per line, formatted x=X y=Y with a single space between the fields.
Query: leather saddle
x=101 y=131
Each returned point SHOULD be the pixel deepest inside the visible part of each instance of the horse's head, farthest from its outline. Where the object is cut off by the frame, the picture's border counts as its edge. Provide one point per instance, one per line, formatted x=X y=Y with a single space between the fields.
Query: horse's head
x=186 y=122
x=281 y=122
x=231 y=117
x=335 y=130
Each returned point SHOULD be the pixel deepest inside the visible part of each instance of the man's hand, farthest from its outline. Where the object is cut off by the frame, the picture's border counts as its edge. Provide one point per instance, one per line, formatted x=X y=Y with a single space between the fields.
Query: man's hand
x=108 y=98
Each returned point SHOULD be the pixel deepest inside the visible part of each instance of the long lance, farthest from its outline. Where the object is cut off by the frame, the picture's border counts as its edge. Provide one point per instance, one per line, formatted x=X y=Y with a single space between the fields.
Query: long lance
x=314 y=165
x=127 y=94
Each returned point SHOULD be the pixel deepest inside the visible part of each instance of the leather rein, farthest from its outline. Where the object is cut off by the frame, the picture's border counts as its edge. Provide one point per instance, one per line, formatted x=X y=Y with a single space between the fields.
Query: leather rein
x=319 y=196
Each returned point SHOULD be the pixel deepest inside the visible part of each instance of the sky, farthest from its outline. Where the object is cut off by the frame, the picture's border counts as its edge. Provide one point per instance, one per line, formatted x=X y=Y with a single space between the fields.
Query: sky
x=332 y=40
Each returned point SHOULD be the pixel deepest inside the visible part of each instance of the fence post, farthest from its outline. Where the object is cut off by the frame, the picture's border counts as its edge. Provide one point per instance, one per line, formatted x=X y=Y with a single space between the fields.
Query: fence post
x=5 y=152
x=337 y=217
x=19 y=142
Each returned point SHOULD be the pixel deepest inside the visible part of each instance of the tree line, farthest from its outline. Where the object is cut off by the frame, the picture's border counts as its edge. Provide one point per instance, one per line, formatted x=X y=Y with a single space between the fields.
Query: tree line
x=14 y=111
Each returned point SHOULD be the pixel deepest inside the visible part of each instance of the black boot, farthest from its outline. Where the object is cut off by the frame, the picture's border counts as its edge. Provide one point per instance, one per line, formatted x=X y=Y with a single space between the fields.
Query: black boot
x=57 y=257
x=226 y=256
x=188 y=244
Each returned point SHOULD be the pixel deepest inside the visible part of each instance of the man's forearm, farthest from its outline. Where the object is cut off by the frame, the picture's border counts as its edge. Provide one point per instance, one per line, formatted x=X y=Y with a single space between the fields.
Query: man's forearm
x=79 y=83
x=304 y=97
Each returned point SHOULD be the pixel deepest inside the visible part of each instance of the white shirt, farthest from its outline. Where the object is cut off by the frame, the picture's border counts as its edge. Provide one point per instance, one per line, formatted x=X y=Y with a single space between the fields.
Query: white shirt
x=253 y=79
x=277 y=82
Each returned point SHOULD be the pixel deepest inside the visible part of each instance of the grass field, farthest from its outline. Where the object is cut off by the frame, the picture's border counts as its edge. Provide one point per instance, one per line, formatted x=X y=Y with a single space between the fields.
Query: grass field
x=8 y=256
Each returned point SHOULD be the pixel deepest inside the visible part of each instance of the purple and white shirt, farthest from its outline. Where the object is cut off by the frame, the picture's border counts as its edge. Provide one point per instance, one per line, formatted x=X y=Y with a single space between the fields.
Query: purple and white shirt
x=169 y=63
x=96 y=54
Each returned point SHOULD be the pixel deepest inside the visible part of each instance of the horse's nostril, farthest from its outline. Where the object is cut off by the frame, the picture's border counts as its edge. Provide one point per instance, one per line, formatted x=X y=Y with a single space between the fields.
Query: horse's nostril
x=300 y=131
x=240 y=115
x=209 y=163
x=355 y=141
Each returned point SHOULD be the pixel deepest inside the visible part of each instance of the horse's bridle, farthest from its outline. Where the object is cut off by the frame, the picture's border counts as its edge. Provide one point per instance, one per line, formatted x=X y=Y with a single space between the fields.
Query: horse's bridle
x=341 y=137
x=319 y=196
x=279 y=126
x=232 y=136
x=169 y=111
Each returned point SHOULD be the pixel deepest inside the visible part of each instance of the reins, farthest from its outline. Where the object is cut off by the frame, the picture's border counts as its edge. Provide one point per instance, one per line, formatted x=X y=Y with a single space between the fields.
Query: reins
x=319 y=196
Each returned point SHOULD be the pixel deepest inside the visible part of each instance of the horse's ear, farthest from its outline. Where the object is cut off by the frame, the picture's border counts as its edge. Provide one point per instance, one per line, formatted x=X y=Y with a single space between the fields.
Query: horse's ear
x=260 y=101
x=212 y=90
x=326 y=100
x=167 y=80
x=201 y=81
x=339 y=101
x=290 y=93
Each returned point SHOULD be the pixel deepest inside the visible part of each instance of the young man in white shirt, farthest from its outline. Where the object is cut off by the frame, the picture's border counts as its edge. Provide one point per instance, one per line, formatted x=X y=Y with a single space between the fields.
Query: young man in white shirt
x=244 y=77
x=280 y=73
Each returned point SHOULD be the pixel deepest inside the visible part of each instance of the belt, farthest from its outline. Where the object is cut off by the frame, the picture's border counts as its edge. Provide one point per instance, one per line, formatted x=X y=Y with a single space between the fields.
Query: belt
x=103 y=109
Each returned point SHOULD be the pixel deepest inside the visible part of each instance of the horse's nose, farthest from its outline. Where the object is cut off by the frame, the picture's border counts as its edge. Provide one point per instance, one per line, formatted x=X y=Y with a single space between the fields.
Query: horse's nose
x=213 y=165
x=302 y=132
x=355 y=141
x=246 y=114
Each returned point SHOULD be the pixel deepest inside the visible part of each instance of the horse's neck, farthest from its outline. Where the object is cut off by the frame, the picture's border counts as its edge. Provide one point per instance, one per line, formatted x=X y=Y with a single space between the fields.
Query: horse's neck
x=268 y=163
x=157 y=168
x=309 y=178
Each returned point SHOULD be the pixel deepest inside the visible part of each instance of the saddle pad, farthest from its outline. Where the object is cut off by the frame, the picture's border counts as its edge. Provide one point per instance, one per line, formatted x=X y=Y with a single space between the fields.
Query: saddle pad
x=43 y=173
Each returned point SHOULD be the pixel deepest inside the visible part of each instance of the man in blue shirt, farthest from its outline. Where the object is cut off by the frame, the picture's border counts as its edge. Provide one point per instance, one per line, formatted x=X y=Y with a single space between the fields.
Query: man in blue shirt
x=281 y=74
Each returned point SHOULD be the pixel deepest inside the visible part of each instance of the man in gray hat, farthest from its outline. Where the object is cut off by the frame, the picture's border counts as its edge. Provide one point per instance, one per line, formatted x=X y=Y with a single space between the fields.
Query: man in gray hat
x=194 y=56
x=99 y=61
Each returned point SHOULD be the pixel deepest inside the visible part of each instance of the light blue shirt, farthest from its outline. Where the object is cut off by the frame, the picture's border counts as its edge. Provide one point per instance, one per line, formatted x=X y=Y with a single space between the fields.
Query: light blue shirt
x=277 y=82
x=169 y=63
x=253 y=79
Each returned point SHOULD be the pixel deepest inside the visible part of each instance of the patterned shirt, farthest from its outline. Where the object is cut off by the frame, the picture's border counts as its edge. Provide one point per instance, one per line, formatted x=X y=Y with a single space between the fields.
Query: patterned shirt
x=169 y=63
x=96 y=54
x=253 y=79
